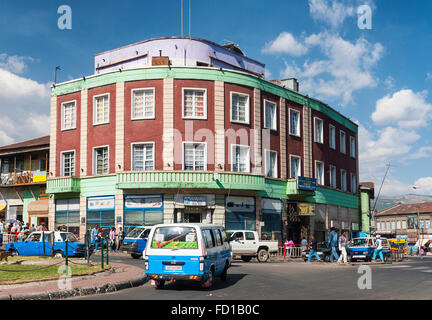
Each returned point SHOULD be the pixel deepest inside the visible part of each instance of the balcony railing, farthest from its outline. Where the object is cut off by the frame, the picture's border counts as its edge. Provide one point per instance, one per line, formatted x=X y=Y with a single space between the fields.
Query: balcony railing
x=22 y=178
x=64 y=184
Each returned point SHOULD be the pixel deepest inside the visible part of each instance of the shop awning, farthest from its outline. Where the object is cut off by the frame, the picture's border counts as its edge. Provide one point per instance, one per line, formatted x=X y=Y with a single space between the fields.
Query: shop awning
x=38 y=208
x=3 y=207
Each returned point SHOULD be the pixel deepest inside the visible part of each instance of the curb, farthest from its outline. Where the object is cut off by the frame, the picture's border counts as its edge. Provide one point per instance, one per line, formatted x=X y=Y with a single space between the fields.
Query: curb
x=80 y=292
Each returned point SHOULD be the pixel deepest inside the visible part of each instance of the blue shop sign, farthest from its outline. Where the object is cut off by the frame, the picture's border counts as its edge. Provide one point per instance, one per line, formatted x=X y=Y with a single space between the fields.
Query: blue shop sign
x=306 y=184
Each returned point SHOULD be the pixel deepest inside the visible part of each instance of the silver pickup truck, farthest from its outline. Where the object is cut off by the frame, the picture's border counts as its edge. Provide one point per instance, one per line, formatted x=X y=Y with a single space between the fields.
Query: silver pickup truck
x=246 y=244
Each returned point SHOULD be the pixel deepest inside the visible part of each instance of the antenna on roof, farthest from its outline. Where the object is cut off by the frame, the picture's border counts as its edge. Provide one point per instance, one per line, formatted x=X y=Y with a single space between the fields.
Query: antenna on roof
x=189 y=19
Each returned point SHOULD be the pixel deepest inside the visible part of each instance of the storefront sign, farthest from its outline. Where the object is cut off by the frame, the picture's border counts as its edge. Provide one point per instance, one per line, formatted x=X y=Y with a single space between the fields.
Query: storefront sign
x=39 y=176
x=412 y=222
x=67 y=204
x=268 y=204
x=240 y=204
x=306 y=209
x=306 y=184
x=143 y=201
x=402 y=236
x=195 y=201
x=100 y=203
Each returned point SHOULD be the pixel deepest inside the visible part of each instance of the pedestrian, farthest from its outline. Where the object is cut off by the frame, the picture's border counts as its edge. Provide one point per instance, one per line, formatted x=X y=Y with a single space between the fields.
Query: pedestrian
x=378 y=249
x=333 y=243
x=421 y=253
x=313 y=249
x=112 y=237
x=342 y=247
x=101 y=238
x=291 y=245
x=94 y=237
x=121 y=236
x=304 y=243
x=32 y=229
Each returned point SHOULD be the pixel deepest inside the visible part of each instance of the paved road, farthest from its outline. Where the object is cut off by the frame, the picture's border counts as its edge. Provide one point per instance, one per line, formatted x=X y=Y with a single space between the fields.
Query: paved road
x=411 y=279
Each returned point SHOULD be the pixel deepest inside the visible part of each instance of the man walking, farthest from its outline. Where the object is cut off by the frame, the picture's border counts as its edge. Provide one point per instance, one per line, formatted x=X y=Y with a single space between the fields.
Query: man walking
x=342 y=247
x=333 y=243
x=378 y=250
x=94 y=237
x=314 y=249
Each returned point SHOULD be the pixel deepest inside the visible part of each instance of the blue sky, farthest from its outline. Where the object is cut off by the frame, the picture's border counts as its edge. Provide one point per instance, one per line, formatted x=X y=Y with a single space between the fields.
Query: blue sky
x=381 y=78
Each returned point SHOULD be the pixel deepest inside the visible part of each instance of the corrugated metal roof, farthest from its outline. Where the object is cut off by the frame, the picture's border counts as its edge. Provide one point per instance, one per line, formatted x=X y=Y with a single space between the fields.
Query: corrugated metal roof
x=37 y=142
x=404 y=209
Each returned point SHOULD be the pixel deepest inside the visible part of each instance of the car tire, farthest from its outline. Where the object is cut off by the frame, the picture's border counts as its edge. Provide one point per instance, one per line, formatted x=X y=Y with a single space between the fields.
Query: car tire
x=159 y=284
x=224 y=272
x=263 y=255
x=207 y=284
x=58 y=254
x=246 y=258
x=135 y=255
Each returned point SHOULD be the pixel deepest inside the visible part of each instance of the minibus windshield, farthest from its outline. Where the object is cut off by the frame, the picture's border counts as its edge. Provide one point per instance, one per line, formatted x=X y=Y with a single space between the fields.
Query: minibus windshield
x=135 y=233
x=175 y=238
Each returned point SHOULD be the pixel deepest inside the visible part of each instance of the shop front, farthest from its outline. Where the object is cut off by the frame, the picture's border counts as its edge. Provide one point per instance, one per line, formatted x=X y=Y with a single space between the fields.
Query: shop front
x=142 y=210
x=271 y=219
x=38 y=209
x=240 y=213
x=194 y=208
x=101 y=213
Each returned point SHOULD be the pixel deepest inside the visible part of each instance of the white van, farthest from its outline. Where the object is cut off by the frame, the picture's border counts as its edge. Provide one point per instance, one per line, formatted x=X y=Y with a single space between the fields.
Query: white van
x=187 y=251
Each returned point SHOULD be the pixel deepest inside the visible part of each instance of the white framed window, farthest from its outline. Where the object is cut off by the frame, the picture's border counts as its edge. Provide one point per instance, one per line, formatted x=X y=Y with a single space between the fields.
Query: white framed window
x=101 y=160
x=398 y=225
x=333 y=183
x=352 y=147
x=342 y=142
x=270 y=115
x=195 y=156
x=143 y=103
x=271 y=164
x=294 y=122
x=319 y=172
x=378 y=225
x=353 y=183
x=404 y=226
x=393 y=225
x=240 y=158
x=68 y=115
x=194 y=103
x=332 y=137
x=295 y=166
x=101 y=109
x=240 y=107
x=343 y=179
x=68 y=163
x=388 y=225
x=142 y=156
x=318 y=124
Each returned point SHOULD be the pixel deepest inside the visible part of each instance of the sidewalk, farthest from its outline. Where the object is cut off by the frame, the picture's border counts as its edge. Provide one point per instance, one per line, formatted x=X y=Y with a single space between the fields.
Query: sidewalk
x=120 y=276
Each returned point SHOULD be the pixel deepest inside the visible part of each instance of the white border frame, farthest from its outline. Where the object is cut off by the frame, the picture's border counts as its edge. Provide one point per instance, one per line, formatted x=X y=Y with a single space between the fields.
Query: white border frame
x=205 y=154
x=323 y=172
x=322 y=130
x=351 y=138
x=330 y=176
x=94 y=108
x=133 y=103
x=340 y=141
x=335 y=141
x=342 y=181
x=62 y=163
x=247 y=114
x=248 y=157
x=276 y=115
x=353 y=175
x=289 y=122
x=267 y=151
x=132 y=157
x=62 y=115
x=94 y=158
x=205 y=104
x=300 y=165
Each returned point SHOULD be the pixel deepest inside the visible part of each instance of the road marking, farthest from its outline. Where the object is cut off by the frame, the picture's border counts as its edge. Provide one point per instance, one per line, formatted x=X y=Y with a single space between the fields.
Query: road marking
x=418 y=268
x=426 y=271
x=392 y=267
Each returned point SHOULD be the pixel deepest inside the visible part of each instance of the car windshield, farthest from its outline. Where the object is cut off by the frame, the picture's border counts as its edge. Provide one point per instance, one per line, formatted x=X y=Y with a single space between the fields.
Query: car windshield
x=228 y=234
x=175 y=238
x=69 y=236
x=359 y=243
x=135 y=233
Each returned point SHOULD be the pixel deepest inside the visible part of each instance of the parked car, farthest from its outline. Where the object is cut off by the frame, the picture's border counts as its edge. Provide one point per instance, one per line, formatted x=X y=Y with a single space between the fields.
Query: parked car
x=135 y=241
x=323 y=250
x=246 y=244
x=183 y=251
x=53 y=244
x=363 y=249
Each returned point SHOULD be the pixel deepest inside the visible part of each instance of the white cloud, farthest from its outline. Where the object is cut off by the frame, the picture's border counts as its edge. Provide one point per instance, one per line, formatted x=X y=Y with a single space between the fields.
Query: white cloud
x=346 y=68
x=424 y=185
x=405 y=108
x=285 y=43
x=15 y=87
x=330 y=12
x=15 y=64
x=428 y=76
x=423 y=152
x=389 y=82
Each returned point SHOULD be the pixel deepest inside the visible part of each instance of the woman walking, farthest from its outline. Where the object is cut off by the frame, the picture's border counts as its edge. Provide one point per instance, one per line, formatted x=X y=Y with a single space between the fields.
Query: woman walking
x=113 y=237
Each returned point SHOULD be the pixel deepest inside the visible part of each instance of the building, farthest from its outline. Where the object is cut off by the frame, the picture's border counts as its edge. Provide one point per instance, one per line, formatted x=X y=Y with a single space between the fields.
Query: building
x=174 y=129
x=23 y=172
x=367 y=193
x=410 y=221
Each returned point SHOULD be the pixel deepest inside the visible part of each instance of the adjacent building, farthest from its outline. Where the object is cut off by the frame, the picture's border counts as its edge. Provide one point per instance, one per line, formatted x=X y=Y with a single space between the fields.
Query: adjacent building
x=23 y=172
x=186 y=130
x=409 y=221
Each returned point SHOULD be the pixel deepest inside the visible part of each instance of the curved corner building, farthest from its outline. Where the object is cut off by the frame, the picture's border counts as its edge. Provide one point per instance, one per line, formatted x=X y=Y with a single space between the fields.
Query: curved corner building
x=186 y=130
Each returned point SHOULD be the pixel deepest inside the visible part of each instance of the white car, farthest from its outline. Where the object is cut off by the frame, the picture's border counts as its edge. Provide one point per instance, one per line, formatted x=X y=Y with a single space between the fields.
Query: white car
x=246 y=244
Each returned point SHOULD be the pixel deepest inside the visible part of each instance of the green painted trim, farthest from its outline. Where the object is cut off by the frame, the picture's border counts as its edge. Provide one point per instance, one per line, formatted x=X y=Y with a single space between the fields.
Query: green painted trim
x=200 y=74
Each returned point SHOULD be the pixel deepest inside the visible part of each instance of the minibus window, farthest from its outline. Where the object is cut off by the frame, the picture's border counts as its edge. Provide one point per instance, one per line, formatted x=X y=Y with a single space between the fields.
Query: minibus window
x=174 y=238
x=208 y=237
x=217 y=237
x=145 y=234
x=134 y=233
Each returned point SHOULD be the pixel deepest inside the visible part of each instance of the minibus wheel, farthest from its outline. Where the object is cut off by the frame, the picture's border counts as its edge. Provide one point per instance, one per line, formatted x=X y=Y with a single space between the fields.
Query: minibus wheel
x=206 y=284
x=225 y=272
x=159 y=284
